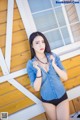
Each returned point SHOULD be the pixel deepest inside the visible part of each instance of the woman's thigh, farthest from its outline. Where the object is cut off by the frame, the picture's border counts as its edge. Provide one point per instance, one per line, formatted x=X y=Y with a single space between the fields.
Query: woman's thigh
x=62 y=110
x=50 y=110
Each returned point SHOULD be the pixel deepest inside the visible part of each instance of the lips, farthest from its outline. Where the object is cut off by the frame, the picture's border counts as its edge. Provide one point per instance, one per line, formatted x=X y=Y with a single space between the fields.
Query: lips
x=42 y=49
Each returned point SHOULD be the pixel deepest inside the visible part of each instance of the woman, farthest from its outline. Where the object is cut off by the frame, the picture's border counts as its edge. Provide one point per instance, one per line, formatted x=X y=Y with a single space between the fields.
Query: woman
x=45 y=70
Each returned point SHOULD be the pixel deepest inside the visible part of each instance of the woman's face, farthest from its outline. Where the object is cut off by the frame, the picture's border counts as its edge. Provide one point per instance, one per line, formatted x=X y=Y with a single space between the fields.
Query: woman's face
x=38 y=44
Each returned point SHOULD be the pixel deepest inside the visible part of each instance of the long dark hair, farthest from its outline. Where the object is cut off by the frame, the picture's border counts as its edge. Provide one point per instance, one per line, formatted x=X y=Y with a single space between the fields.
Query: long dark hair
x=31 y=38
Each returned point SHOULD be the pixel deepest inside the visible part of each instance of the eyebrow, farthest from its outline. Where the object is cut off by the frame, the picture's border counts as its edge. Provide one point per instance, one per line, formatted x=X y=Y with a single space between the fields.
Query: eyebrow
x=38 y=40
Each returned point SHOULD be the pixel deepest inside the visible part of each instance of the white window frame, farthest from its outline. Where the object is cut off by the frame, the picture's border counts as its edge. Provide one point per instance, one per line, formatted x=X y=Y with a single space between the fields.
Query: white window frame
x=65 y=52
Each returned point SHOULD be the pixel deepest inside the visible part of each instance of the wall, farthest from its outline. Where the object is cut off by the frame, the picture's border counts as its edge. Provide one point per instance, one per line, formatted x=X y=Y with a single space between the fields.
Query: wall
x=11 y=99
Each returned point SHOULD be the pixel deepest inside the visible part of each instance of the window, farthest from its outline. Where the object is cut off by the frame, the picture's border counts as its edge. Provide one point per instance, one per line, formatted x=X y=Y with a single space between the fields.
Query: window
x=50 y=18
x=73 y=21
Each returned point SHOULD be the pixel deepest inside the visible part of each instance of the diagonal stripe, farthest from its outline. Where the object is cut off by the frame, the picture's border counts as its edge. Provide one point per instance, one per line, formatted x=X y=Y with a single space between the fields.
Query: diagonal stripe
x=26 y=16
x=15 y=83
x=13 y=75
x=27 y=113
x=3 y=64
x=9 y=33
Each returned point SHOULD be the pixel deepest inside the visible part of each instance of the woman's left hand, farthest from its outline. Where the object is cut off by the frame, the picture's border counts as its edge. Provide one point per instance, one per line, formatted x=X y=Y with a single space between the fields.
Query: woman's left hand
x=52 y=58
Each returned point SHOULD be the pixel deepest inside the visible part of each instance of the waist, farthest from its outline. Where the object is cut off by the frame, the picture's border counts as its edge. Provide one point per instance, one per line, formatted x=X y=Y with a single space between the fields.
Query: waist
x=64 y=96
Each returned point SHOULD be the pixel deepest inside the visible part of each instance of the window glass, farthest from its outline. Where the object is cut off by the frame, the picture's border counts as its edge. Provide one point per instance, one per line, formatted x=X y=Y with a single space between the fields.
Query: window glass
x=45 y=20
x=60 y=17
x=65 y=34
x=54 y=38
x=38 y=5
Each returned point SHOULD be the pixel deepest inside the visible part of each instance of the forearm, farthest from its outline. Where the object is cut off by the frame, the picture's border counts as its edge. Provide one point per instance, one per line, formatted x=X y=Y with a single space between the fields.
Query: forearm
x=60 y=72
x=37 y=83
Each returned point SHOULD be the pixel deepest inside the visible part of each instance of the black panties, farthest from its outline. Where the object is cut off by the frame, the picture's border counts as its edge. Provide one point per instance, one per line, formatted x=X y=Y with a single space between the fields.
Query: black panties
x=56 y=101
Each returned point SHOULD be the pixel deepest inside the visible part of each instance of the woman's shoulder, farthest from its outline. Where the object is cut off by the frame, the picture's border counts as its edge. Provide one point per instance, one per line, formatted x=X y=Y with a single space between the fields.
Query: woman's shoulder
x=52 y=53
x=30 y=62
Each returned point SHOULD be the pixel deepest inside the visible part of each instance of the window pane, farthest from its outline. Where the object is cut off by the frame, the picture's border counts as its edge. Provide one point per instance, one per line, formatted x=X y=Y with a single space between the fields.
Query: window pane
x=54 y=38
x=55 y=4
x=71 y=13
x=78 y=10
x=38 y=5
x=65 y=35
x=60 y=16
x=45 y=21
x=76 y=31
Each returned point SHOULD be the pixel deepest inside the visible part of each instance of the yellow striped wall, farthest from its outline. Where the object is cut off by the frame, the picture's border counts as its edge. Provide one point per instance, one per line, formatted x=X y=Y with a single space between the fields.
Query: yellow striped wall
x=11 y=99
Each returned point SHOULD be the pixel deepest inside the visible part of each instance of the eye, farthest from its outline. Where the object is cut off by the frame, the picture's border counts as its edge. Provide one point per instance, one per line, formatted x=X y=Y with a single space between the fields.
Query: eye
x=37 y=42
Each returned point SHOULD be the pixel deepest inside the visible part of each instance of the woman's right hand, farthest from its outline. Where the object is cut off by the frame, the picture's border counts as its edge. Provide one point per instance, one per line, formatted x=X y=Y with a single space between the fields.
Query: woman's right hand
x=35 y=65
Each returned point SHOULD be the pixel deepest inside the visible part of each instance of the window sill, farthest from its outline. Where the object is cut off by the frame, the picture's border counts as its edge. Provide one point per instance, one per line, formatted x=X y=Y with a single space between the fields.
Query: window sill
x=68 y=51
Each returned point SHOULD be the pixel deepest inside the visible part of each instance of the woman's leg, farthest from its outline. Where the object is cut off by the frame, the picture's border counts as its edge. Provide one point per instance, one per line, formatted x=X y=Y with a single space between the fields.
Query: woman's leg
x=62 y=110
x=50 y=110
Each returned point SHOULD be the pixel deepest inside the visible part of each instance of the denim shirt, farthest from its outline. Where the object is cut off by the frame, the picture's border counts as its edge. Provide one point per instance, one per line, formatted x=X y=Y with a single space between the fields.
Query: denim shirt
x=51 y=86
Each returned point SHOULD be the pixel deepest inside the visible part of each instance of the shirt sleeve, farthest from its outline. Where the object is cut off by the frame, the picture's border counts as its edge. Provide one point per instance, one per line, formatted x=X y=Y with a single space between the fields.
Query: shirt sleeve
x=58 y=62
x=30 y=72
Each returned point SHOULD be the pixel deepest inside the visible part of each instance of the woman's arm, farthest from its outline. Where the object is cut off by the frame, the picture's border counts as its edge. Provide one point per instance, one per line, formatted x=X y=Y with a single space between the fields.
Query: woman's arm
x=60 y=72
x=35 y=79
x=38 y=80
x=59 y=69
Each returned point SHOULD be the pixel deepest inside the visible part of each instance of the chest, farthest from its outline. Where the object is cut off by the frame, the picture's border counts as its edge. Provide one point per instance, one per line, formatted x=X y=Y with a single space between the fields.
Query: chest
x=44 y=67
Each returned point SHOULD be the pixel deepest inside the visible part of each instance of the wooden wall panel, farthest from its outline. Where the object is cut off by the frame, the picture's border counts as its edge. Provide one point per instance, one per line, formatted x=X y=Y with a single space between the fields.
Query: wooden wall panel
x=19 y=36
x=73 y=20
x=72 y=62
x=72 y=110
x=3 y=29
x=16 y=105
x=71 y=12
x=18 y=67
x=3 y=15
x=73 y=72
x=17 y=25
x=20 y=59
x=76 y=32
x=72 y=83
x=72 y=67
x=5 y=88
x=3 y=5
x=2 y=41
x=76 y=103
x=20 y=47
x=11 y=99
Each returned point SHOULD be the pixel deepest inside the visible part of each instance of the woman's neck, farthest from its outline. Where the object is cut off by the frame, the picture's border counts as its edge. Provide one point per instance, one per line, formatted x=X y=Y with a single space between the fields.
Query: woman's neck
x=40 y=55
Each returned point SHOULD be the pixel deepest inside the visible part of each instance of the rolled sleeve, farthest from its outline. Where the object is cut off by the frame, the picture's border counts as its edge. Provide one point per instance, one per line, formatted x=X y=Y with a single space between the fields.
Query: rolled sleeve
x=58 y=62
x=30 y=72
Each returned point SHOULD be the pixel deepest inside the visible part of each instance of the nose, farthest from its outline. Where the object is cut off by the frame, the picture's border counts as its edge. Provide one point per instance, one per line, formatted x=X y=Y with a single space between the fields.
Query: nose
x=41 y=44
